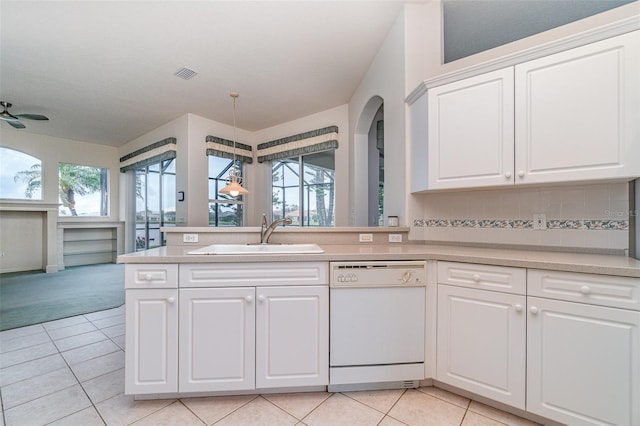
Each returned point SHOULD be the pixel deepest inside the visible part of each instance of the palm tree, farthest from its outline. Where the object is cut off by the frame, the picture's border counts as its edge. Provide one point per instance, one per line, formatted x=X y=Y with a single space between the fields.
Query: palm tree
x=73 y=180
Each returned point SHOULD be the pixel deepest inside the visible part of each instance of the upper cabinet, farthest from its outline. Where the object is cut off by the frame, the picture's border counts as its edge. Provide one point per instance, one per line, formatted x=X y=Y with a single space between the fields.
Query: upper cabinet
x=570 y=116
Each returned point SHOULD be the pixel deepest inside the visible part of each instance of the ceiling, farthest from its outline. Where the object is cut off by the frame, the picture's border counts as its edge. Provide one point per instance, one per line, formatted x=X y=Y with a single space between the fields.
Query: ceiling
x=103 y=71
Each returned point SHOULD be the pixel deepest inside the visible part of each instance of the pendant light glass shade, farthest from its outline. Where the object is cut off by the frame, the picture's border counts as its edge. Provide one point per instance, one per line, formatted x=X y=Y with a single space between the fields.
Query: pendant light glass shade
x=234 y=180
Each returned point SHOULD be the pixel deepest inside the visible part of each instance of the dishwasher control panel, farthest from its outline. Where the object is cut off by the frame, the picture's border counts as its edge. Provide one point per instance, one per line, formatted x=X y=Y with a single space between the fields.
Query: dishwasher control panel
x=378 y=274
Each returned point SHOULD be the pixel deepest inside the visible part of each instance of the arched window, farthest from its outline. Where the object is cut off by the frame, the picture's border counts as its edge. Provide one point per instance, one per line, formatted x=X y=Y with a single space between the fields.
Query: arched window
x=20 y=175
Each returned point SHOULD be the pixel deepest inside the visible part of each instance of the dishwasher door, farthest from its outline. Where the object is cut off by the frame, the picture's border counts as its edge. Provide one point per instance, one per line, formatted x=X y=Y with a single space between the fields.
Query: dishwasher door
x=376 y=326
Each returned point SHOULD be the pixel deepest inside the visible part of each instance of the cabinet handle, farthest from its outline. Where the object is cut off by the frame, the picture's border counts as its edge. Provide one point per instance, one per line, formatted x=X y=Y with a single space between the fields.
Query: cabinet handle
x=585 y=289
x=520 y=174
x=518 y=307
x=261 y=298
x=476 y=277
x=249 y=299
x=507 y=175
x=148 y=277
x=533 y=310
x=171 y=300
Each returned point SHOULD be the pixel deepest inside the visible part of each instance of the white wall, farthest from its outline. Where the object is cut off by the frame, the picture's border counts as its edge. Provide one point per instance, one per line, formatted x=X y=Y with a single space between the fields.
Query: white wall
x=386 y=79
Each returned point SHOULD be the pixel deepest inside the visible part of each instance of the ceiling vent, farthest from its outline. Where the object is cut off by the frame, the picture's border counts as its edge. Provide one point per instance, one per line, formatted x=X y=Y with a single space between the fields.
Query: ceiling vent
x=185 y=73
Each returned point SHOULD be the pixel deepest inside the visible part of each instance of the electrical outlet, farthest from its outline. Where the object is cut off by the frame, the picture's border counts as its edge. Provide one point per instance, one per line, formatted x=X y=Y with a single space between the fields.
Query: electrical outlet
x=540 y=221
x=189 y=238
x=395 y=238
x=366 y=238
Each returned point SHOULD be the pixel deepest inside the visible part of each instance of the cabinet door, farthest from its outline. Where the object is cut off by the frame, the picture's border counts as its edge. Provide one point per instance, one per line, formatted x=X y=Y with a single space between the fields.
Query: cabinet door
x=583 y=363
x=577 y=113
x=470 y=132
x=292 y=336
x=217 y=329
x=151 y=341
x=481 y=343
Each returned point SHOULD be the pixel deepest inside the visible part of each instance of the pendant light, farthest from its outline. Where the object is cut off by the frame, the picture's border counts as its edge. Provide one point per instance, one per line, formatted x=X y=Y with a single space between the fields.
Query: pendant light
x=234 y=179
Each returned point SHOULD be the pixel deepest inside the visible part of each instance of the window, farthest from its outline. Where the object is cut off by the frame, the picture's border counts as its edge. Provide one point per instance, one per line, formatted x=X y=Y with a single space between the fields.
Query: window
x=223 y=209
x=155 y=203
x=83 y=190
x=20 y=175
x=304 y=189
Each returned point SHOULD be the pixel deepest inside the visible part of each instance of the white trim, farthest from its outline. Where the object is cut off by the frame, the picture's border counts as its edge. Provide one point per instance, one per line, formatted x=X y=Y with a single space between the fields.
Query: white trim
x=597 y=34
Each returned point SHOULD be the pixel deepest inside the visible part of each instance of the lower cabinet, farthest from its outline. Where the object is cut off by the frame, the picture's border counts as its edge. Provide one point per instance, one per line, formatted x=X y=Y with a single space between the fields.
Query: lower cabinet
x=243 y=338
x=151 y=341
x=481 y=342
x=583 y=362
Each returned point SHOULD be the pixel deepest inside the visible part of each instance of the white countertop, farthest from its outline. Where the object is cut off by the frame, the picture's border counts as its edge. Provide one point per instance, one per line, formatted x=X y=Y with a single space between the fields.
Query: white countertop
x=559 y=261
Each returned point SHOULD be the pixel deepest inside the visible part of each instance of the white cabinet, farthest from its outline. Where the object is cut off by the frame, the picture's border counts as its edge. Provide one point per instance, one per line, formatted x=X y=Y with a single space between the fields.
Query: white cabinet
x=151 y=316
x=481 y=334
x=470 y=132
x=292 y=336
x=569 y=116
x=217 y=346
x=577 y=113
x=583 y=360
x=151 y=357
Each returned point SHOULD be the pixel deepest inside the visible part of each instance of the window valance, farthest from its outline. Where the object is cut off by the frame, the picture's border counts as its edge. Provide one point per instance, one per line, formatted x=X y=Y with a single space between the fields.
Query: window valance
x=224 y=148
x=300 y=144
x=154 y=153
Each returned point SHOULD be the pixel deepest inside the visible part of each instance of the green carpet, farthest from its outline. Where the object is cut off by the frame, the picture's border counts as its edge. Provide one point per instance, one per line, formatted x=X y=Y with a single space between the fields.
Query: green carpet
x=33 y=297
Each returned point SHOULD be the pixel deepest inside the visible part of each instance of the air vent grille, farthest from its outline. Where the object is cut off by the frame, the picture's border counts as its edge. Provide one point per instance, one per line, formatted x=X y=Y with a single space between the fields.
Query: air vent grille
x=185 y=73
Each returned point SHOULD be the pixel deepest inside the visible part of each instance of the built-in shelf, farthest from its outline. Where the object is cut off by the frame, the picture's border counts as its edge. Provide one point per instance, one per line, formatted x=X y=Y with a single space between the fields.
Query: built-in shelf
x=89 y=243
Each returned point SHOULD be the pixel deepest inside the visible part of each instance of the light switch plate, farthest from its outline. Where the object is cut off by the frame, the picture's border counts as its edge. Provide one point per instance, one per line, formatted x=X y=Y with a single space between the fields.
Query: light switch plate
x=395 y=238
x=366 y=238
x=540 y=221
x=189 y=238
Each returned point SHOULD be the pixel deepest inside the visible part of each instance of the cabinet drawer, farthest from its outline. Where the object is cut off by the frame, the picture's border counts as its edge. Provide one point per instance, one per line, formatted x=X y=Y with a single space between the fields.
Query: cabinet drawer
x=603 y=290
x=151 y=276
x=487 y=277
x=253 y=274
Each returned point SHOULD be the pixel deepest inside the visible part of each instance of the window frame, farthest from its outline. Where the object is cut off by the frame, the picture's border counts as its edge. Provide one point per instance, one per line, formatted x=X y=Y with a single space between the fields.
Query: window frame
x=219 y=183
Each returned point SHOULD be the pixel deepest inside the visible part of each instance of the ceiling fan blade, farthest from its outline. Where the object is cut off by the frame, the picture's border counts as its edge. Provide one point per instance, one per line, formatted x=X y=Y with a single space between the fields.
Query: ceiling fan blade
x=32 y=116
x=16 y=124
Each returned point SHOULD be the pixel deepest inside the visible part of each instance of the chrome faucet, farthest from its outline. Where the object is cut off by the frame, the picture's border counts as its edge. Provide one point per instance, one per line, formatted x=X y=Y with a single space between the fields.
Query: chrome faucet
x=267 y=230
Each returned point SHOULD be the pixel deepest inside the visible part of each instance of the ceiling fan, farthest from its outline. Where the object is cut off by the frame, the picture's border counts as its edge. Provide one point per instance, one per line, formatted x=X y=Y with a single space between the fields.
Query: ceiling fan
x=14 y=120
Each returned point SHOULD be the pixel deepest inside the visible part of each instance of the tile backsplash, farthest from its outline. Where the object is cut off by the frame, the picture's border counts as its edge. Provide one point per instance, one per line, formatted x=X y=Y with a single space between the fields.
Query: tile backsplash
x=592 y=216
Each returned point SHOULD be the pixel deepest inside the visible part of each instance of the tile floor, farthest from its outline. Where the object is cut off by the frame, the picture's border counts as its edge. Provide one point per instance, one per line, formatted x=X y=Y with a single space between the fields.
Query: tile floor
x=71 y=372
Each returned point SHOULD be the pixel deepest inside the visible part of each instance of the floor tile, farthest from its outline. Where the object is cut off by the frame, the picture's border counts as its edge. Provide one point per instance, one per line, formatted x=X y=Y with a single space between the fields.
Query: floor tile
x=87 y=417
x=475 y=419
x=258 y=412
x=79 y=340
x=65 y=322
x=120 y=341
x=297 y=404
x=19 y=356
x=211 y=409
x=93 y=350
x=105 y=314
x=36 y=387
x=416 y=409
x=98 y=366
x=174 y=414
x=20 y=332
x=16 y=343
x=29 y=369
x=499 y=415
x=105 y=386
x=123 y=409
x=109 y=322
x=48 y=408
x=341 y=410
x=390 y=421
x=72 y=330
x=381 y=400
x=113 y=331
x=454 y=399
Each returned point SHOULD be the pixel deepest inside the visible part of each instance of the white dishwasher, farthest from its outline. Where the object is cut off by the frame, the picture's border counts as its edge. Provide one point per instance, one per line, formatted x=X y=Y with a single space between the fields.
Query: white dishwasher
x=377 y=324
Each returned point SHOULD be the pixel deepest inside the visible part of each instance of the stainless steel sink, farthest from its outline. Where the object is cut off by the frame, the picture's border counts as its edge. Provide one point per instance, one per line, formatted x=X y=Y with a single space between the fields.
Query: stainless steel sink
x=259 y=249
